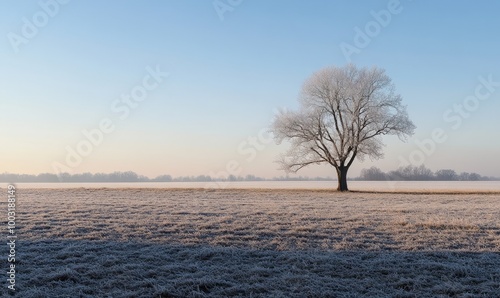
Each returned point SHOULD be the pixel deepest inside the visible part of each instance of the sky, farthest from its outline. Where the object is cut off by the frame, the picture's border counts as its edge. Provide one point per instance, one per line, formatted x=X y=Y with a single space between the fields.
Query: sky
x=191 y=87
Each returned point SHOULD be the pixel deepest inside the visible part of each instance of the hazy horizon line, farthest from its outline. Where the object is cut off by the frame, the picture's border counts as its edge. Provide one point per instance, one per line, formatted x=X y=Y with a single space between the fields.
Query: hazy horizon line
x=408 y=173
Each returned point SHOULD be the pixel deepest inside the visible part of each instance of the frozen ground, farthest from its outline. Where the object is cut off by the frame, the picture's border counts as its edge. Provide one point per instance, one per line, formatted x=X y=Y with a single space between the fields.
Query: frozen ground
x=255 y=243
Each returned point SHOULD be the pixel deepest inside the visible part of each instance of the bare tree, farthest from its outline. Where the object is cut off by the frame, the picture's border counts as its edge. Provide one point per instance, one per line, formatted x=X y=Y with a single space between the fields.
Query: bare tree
x=343 y=112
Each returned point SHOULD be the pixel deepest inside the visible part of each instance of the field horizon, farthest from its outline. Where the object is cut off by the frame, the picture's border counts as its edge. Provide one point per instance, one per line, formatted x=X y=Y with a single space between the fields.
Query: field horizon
x=395 y=187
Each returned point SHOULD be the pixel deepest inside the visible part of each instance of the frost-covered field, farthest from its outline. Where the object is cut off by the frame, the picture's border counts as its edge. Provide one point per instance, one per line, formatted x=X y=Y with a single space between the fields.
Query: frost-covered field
x=255 y=243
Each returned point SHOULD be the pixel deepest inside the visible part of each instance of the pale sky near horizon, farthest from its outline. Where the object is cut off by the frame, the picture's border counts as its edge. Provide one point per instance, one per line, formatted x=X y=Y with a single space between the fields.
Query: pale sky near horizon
x=65 y=66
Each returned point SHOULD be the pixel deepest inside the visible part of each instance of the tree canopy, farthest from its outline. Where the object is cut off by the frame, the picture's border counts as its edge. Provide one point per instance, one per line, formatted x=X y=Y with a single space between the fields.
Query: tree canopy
x=343 y=113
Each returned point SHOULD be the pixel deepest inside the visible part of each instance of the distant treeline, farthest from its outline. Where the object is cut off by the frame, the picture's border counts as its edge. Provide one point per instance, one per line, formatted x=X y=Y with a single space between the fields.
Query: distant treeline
x=134 y=177
x=421 y=173
x=409 y=173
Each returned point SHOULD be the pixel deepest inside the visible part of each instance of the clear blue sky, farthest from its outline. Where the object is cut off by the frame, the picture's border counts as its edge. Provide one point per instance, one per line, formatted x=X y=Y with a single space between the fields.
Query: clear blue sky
x=228 y=75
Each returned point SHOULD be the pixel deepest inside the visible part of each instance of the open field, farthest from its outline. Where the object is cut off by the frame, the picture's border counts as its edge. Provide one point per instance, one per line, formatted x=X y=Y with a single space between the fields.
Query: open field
x=255 y=243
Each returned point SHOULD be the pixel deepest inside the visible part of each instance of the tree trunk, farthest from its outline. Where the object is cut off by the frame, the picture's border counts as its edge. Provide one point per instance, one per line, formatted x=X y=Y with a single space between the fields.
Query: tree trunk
x=342 y=178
